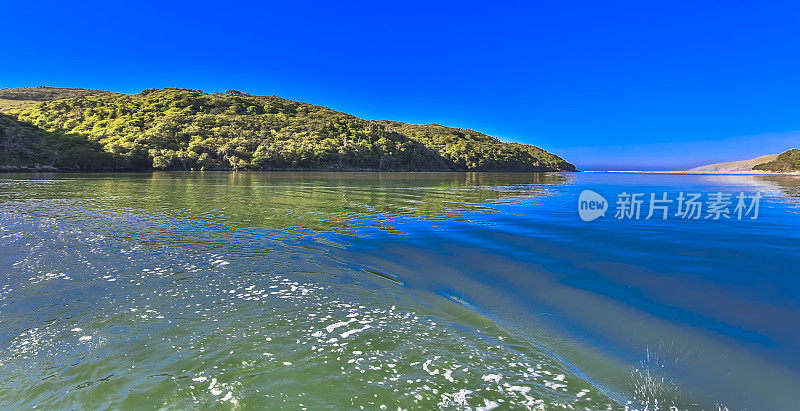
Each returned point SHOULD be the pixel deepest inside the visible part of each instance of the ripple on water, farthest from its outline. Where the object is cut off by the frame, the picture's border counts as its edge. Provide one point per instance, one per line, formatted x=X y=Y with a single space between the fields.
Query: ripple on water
x=135 y=310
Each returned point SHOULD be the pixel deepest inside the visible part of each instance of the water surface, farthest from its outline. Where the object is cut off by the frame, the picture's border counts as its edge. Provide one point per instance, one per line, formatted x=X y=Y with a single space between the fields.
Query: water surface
x=410 y=290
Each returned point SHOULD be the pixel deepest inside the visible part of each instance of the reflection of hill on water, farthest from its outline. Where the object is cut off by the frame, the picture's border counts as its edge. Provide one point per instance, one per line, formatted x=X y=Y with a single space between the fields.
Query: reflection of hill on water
x=776 y=186
x=789 y=186
x=300 y=200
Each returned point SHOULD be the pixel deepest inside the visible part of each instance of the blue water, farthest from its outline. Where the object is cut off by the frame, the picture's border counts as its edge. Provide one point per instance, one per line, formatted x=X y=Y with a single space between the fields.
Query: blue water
x=478 y=290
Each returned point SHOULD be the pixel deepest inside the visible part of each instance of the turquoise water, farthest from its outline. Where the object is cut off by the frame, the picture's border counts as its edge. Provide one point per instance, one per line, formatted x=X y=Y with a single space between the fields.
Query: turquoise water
x=392 y=290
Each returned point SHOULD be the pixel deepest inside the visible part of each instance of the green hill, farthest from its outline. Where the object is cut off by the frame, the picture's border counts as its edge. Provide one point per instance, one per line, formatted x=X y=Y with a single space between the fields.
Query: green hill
x=180 y=129
x=19 y=98
x=24 y=147
x=786 y=161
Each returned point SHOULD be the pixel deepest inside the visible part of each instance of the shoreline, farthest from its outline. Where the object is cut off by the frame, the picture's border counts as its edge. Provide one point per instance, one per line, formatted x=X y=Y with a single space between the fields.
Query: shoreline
x=746 y=172
x=22 y=170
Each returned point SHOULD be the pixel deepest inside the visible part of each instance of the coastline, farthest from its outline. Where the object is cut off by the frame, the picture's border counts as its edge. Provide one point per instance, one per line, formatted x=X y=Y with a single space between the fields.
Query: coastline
x=750 y=172
x=22 y=170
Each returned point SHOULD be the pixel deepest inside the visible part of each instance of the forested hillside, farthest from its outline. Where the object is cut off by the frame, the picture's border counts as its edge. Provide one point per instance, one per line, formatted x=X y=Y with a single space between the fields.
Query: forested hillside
x=181 y=129
x=787 y=161
x=24 y=147
x=19 y=98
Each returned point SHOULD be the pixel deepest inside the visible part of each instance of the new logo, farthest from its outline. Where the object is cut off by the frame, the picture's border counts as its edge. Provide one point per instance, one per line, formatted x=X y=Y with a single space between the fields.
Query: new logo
x=591 y=205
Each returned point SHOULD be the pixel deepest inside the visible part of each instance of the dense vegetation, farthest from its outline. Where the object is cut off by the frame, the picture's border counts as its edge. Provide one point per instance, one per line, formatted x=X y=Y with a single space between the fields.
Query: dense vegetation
x=180 y=129
x=24 y=147
x=786 y=161
x=19 y=98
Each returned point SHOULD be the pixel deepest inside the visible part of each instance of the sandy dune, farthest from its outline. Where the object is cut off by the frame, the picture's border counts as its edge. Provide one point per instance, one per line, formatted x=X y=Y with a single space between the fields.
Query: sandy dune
x=744 y=165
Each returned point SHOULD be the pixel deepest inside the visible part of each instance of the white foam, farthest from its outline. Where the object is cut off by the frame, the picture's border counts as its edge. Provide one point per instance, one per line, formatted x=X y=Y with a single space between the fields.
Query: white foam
x=212 y=389
x=354 y=331
x=492 y=377
x=488 y=405
x=334 y=326
x=448 y=375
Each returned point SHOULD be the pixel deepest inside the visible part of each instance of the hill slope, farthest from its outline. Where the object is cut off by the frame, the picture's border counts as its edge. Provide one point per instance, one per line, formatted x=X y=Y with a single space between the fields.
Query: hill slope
x=24 y=147
x=744 y=165
x=19 y=98
x=181 y=129
x=787 y=161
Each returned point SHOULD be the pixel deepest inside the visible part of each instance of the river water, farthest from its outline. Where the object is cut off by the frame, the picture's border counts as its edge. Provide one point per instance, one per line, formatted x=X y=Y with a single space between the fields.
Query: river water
x=253 y=290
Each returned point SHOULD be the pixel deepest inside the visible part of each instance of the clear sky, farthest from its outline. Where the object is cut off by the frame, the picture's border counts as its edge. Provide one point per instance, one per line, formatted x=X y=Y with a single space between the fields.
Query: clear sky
x=607 y=85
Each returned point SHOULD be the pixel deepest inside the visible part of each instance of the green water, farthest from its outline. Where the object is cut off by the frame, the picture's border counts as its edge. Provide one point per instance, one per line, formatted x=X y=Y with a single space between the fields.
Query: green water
x=222 y=291
x=389 y=290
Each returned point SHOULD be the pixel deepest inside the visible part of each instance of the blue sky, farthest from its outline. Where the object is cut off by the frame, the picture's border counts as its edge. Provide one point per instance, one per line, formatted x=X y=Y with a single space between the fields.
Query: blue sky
x=607 y=85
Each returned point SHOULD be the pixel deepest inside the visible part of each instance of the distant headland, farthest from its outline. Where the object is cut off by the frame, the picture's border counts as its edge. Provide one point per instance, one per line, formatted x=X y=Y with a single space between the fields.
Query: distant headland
x=787 y=163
